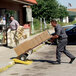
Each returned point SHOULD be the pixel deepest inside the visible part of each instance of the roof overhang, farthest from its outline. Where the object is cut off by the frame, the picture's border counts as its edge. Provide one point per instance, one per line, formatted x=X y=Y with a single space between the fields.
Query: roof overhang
x=31 y=1
x=28 y=2
x=72 y=10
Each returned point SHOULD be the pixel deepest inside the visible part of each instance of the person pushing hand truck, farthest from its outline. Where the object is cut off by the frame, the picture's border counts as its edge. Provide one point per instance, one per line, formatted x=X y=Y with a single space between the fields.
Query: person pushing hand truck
x=61 y=37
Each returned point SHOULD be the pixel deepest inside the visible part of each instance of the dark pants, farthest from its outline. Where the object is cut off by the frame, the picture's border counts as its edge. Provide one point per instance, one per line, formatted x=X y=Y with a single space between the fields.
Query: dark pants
x=61 y=47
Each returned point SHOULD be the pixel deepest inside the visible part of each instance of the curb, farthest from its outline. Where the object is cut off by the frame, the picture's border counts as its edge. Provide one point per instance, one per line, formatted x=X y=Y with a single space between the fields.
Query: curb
x=10 y=64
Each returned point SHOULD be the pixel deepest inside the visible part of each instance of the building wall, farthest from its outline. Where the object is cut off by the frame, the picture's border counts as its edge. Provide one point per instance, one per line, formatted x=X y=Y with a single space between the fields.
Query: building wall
x=13 y=6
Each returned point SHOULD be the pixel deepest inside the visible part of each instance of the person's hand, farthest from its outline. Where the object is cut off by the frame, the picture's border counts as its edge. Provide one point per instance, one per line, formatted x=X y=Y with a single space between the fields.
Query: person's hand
x=51 y=36
x=51 y=40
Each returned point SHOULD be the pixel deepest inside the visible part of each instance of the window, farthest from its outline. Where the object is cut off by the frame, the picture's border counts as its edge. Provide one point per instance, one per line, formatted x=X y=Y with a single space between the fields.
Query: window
x=74 y=29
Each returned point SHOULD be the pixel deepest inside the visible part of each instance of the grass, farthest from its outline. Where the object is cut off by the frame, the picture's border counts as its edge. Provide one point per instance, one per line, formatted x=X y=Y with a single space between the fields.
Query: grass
x=63 y=24
x=37 y=25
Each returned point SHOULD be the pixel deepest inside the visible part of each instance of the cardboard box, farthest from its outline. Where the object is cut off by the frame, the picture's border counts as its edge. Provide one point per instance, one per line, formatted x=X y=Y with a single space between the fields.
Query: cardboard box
x=38 y=39
x=32 y=43
x=22 y=48
x=47 y=35
x=19 y=50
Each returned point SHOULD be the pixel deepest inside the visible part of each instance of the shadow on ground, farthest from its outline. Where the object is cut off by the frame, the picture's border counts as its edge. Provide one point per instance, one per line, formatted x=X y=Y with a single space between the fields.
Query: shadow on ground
x=10 y=47
x=49 y=61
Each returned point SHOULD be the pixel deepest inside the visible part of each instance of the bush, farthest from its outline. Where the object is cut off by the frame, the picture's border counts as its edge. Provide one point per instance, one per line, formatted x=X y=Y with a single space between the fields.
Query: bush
x=36 y=24
x=73 y=22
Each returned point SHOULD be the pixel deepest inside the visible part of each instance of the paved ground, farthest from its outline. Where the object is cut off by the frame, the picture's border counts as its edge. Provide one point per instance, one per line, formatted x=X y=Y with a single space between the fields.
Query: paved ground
x=42 y=63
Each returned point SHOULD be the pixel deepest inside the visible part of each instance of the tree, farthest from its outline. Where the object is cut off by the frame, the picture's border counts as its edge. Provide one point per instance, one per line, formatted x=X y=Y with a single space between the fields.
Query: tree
x=62 y=12
x=47 y=9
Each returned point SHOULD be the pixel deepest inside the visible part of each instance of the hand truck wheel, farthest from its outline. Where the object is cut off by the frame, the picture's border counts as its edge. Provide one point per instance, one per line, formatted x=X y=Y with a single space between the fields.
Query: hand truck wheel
x=23 y=57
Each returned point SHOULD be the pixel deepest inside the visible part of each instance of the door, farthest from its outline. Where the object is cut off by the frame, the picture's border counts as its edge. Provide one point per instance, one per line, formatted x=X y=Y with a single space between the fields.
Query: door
x=3 y=33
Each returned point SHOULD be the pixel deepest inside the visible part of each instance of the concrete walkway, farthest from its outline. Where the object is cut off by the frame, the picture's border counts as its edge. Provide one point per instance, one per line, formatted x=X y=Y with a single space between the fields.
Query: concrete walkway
x=42 y=65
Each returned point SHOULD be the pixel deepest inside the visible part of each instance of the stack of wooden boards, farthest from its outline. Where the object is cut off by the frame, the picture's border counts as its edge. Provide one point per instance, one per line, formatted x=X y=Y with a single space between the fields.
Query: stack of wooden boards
x=32 y=43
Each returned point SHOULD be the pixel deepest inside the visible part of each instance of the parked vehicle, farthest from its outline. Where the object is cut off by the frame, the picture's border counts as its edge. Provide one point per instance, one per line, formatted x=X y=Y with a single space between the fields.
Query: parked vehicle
x=71 y=32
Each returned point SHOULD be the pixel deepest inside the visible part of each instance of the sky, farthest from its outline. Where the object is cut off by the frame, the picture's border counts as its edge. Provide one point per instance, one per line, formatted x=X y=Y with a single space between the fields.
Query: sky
x=65 y=3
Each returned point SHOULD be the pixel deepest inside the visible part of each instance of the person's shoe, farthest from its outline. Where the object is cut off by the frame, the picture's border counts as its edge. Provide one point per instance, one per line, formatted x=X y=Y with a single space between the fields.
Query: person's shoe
x=58 y=61
x=72 y=60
